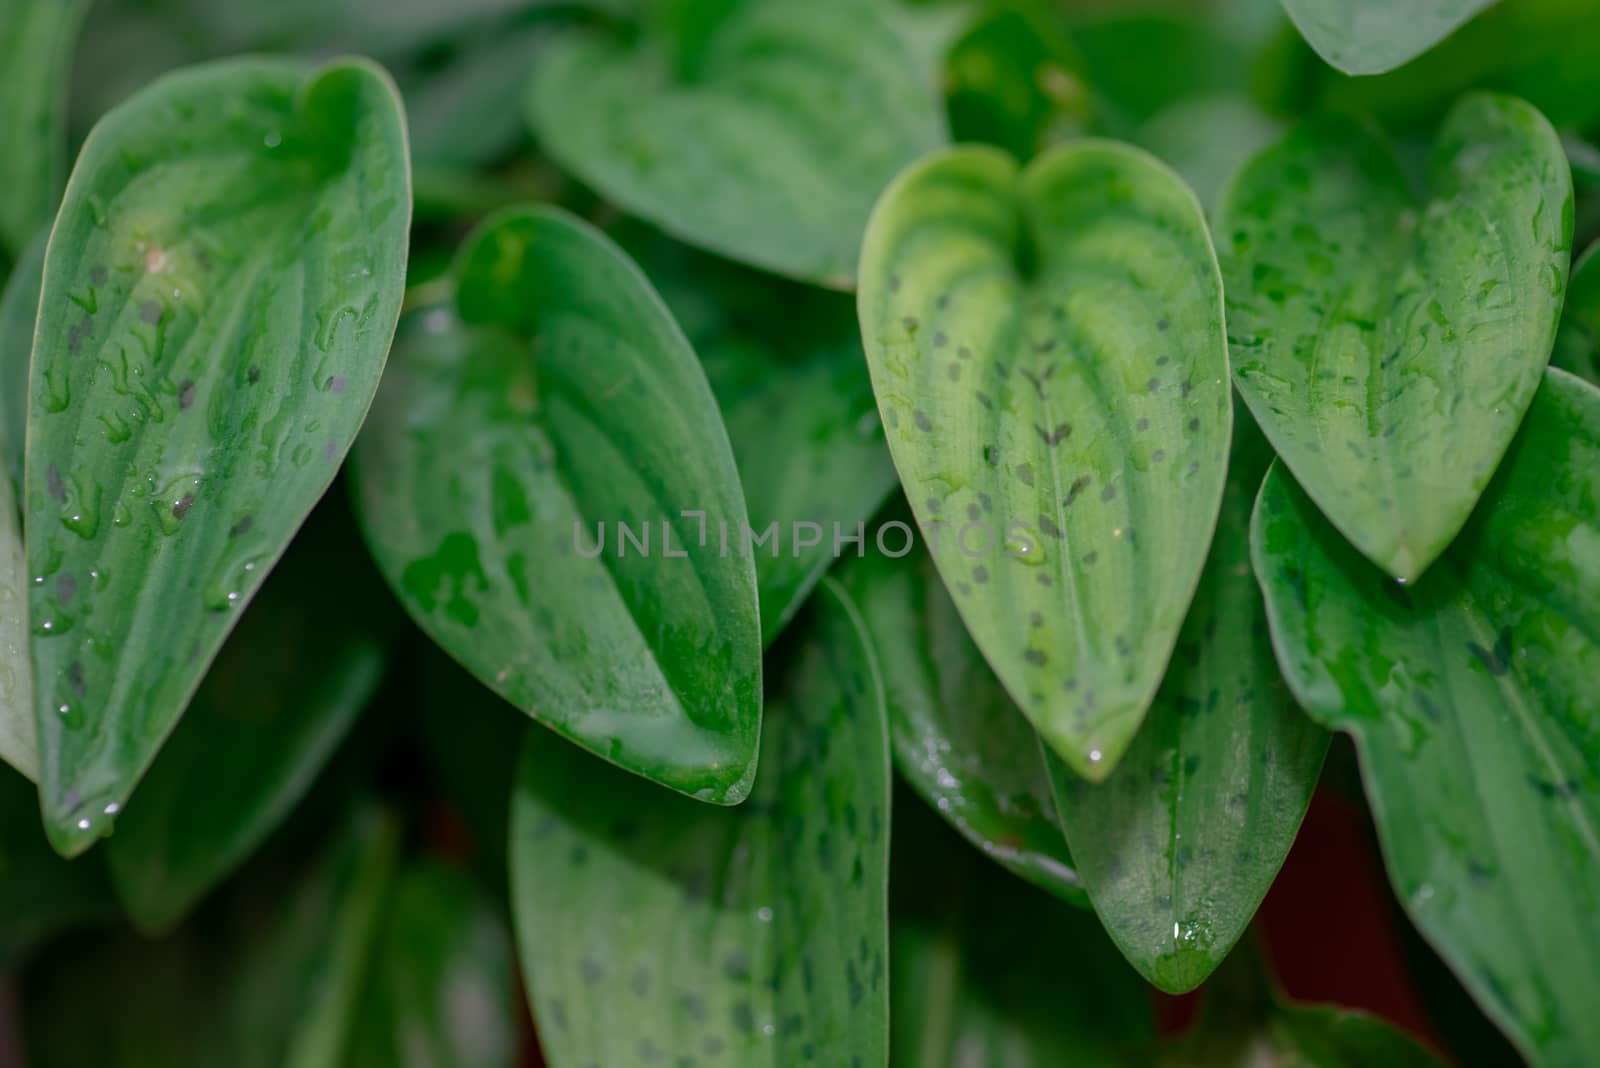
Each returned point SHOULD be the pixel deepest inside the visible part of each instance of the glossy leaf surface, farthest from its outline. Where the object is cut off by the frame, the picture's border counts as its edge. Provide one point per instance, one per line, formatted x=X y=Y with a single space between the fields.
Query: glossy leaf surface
x=652 y=929
x=1578 y=344
x=1047 y=350
x=1180 y=844
x=219 y=295
x=1372 y=36
x=1389 y=347
x=36 y=39
x=502 y=461
x=279 y=698
x=1470 y=699
x=957 y=737
x=798 y=114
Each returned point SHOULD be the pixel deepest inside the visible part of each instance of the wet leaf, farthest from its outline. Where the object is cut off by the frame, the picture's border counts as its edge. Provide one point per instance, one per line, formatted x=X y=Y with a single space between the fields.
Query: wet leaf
x=1372 y=36
x=219 y=294
x=1047 y=349
x=36 y=39
x=41 y=894
x=957 y=739
x=279 y=698
x=1180 y=844
x=503 y=460
x=1470 y=699
x=1578 y=342
x=440 y=989
x=651 y=928
x=798 y=115
x=1391 y=365
x=991 y=973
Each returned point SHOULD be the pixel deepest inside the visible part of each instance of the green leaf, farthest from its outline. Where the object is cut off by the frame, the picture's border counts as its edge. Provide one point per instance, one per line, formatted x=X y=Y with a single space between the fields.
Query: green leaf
x=1389 y=346
x=1047 y=349
x=279 y=698
x=1140 y=62
x=1372 y=36
x=1180 y=844
x=19 y=310
x=1206 y=139
x=988 y=971
x=457 y=114
x=500 y=465
x=759 y=129
x=651 y=928
x=1471 y=702
x=219 y=294
x=441 y=990
x=19 y=738
x=957 y=738
x=41 y=894
x=1578 y=342
x=1015 y=80
x=36 y=39
x=267 y=978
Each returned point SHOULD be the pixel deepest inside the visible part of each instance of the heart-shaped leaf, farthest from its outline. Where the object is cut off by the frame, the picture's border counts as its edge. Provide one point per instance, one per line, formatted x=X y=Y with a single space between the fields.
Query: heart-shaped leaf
x=1179 y=845
x=552 y=496
x=1471 y=702
x=797 y=114
x=219 y=295
x=957 y=737
x=1048 y=354
x=655 y=930
x=1372 y=36
x=36 y=39
x=1387 y=346
x=1578 y=343
x=283 y=692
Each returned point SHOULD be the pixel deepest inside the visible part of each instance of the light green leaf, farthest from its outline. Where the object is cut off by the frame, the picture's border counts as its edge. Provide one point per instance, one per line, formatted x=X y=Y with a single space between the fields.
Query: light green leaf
x=1578 y=342
x=1047 y=349
x=283 y=692
x=36 y=39
x=220 y=292
x=1208 y=138
x=957 y=738
x=989 y=972
x=441 y=990
x=1387 y=346
x=1179 y=846
x=1471 y=702
x=759 y=129
x=652 y=928
x=1372 y=36
x=500 y=466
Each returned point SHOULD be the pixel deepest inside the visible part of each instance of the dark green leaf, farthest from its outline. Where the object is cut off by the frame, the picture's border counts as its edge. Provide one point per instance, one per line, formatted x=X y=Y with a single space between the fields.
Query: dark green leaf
x=1372 y=36
x=957 y=738
x=1389 y=347
x=1470 y=699
x=1178 y=847
x=760 y=129
x=441 y=991
x=41 y=894
x=283 y=692
x=36 y=38
x=19 y=738
x=1047 y=349
x=494 y=480
x=651 y=928
x=19 y=310
x=457 y=114
x=1578 y=343
x=1015 y=80
x=219 y=295
x=1139 y=62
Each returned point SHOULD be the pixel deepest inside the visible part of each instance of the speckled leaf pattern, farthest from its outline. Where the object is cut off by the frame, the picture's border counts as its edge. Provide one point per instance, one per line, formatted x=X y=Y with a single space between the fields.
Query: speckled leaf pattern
x=1578 y=342
x=1047 y=349
x=279 y=698
x=1389 y=347
x=501 y=464
x=1179 y=845
x=220 y=292
x=957 y=738
x=1470 y=699
x=652 y=930
x=1372 y=36
x=441 y=989
x=799 y=115
x=36 y=39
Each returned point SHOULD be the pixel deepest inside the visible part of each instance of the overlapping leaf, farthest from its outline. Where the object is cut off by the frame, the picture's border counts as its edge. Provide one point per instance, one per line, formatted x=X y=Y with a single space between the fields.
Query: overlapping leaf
x=1471 y=701
x=1389 y=347
x=1578 y=343
x=798 y=115
x=1372 y=36
x=219 y=295
x=503 y=462
x=1047 y=349
x=654 y=930
x=36 y=39
x=1179 y=845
